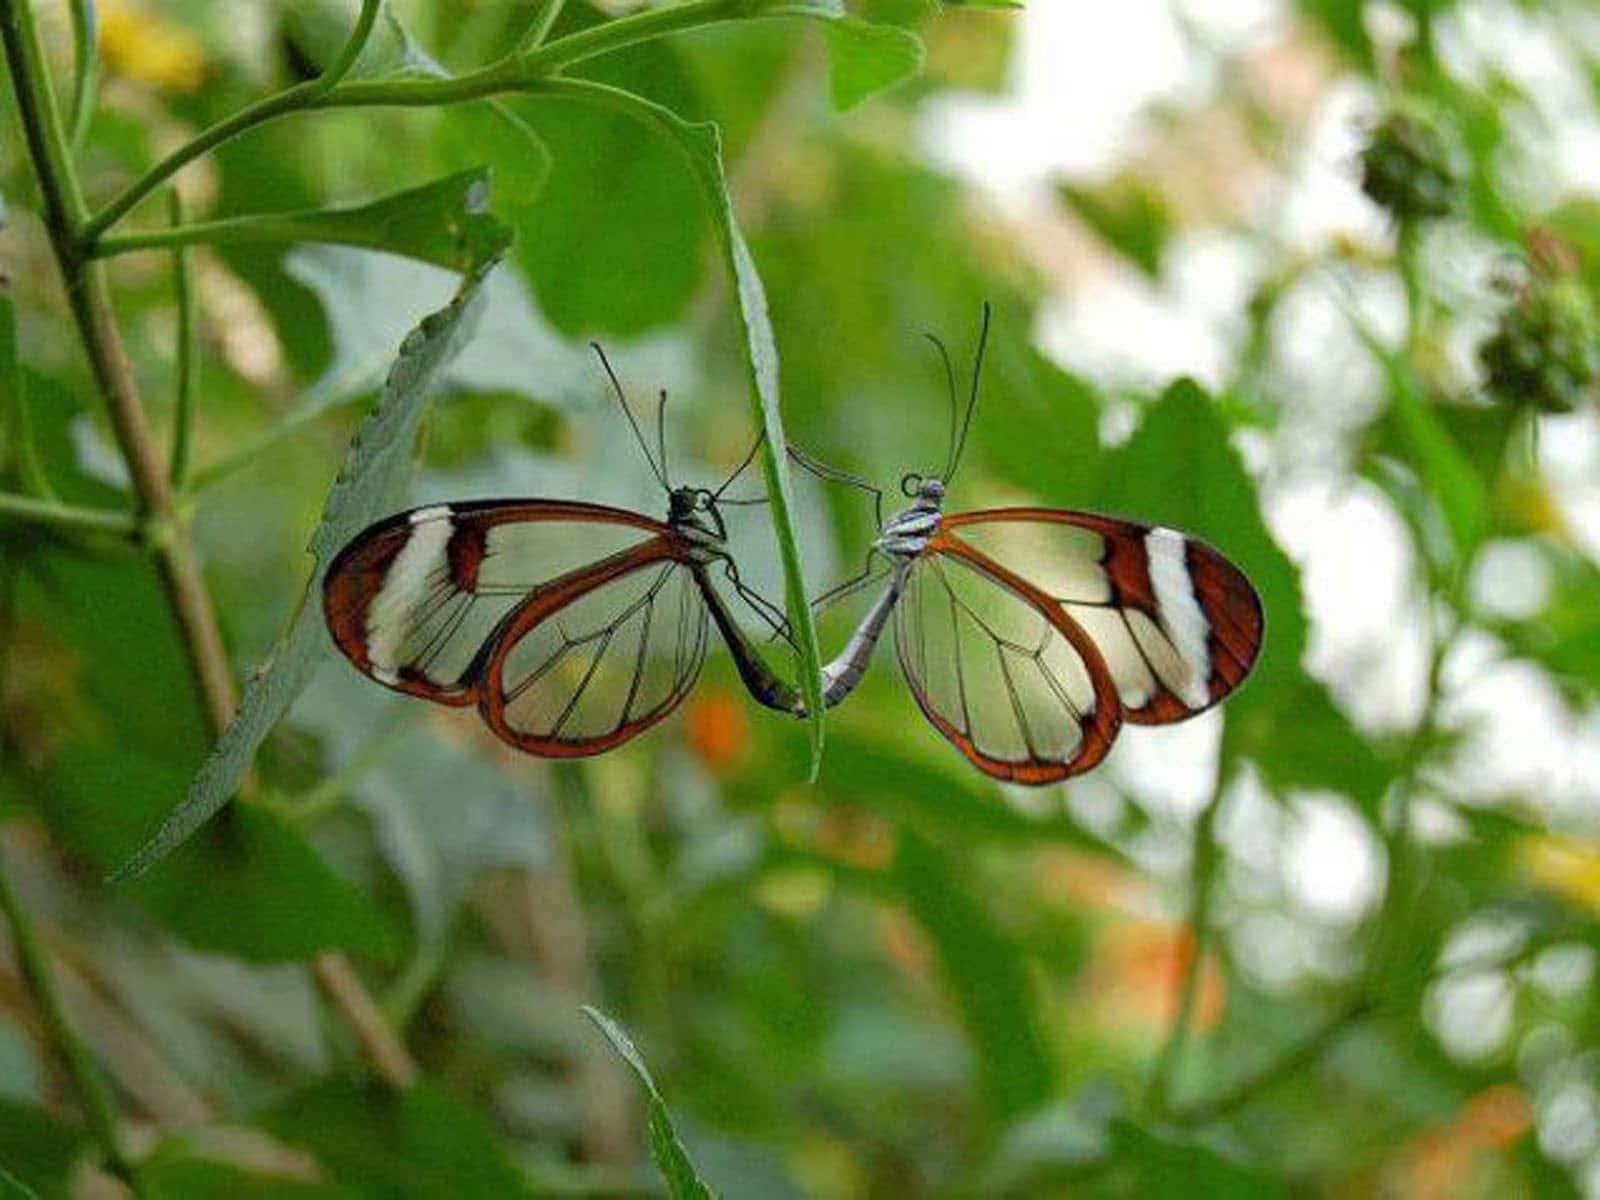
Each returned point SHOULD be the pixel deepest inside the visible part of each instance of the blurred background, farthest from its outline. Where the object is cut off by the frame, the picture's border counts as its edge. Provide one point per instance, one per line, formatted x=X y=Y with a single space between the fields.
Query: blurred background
x=1315 y=281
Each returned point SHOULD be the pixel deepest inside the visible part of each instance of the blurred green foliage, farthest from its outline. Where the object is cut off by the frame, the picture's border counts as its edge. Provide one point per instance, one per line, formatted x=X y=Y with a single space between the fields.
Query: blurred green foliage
x=901 y=979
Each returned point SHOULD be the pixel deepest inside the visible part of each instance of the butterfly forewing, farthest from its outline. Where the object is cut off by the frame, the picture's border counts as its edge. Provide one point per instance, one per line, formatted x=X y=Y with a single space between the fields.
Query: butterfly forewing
x=1000 y=675
x=414 y=600
x=584 y=667
x=1177 y=624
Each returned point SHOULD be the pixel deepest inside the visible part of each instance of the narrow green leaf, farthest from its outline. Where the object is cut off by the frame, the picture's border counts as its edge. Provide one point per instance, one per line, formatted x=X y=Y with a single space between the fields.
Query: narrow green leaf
x=371 y=483
x=703 y=147
x=1443 y=466
x=445 y=222
x=671 y=1159
x=864 y=58
x=986 y=973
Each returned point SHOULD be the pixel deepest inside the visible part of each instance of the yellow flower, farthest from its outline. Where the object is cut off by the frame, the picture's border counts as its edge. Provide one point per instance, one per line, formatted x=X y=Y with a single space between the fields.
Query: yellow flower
x=1564 y=865
x=137 y=45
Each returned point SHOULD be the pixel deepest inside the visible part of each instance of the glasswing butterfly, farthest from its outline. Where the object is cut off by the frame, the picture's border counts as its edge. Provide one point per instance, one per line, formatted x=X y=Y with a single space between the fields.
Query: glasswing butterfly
x=572 y=626
x=1029 y=635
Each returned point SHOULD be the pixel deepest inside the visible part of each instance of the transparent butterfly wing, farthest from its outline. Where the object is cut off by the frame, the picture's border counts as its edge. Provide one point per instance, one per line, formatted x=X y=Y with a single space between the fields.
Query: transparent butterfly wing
x=1178 y=625
x=581 y=668
x=1007 y=679
x=415 y=599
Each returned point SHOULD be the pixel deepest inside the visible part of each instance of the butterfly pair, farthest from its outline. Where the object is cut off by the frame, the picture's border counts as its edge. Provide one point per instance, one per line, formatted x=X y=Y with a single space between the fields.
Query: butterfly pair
x=1027 y=635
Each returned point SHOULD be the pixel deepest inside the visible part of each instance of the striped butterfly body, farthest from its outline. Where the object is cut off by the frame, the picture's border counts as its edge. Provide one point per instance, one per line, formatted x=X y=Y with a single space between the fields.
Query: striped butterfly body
x=573 y=627
x=1029 y=635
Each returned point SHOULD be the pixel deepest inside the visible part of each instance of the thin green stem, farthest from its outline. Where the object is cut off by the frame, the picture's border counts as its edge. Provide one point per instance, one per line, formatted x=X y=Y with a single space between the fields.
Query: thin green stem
x=1407 y=246
x=182 y=416
x=64 y=210
x=544 y=20
x=39 y=975
x=1300 y=1055
x=53 y=512
x=1202 y=888
x=352 y=48
x=522 y=71
x=86 y=68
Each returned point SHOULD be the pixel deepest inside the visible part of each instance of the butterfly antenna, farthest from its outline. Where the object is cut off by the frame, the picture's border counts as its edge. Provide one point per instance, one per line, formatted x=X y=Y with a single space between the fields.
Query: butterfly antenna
x=950 y=387
x=616 y=386
x=748 y=459
x=661 y=434
x=972 y=399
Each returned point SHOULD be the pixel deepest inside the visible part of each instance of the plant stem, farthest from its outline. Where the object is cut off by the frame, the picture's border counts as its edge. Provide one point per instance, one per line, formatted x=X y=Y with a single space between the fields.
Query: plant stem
x=352 y=48
x=85 y=66
x=53 y=512
x=39 y=975
x=1203 y=878
x=182 y=416
x=543 y=21
x=89 y=297
x=515 y=72
x=1307 y=1050
x=378 y=1040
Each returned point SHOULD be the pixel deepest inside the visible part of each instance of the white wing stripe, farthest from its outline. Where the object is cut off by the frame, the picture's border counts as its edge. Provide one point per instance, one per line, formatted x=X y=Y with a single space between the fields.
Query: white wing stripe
x=1179 y=612
x=406 y=586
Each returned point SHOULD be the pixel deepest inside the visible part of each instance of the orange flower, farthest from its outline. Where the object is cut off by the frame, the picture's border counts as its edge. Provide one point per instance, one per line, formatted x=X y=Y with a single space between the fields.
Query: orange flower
x=718 y=729
x=1137 y=972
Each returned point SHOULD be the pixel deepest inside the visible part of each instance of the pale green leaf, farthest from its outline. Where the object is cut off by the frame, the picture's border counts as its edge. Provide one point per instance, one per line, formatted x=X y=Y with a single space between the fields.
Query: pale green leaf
x=864 y=58
x=372 y=483
x=672 y=1160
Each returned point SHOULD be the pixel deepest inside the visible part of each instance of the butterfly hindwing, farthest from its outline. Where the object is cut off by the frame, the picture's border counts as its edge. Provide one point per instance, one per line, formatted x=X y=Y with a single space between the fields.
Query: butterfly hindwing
x=584 y=666
x=996 y=668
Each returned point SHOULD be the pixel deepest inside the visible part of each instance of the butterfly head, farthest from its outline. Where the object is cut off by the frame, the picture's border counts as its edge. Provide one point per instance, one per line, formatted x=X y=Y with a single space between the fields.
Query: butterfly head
x=693 y=513
x=925 y=491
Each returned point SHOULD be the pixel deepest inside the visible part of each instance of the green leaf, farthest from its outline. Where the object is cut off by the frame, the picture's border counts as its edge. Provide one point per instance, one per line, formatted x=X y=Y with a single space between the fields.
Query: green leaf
x=37 y=1151
x=371 y=484
x=421 y=1143
x=671 y=1159
x=865 y=58
x=1439 y=461
x=1180 y=469
x=987 y=975
x=617 y=241
x=1130 y=215
x=1304 y=741
x=703 y=148
x=251 y=887
x=438 y=850
x=445 y=222
x=171 y=1174
x=875 y=774
x=319 y=29
x=1152 y=1164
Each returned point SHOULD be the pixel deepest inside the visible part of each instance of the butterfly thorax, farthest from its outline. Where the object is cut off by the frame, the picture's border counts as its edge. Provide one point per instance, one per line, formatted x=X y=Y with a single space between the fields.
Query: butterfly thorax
x=692 y=513
x=905 y=535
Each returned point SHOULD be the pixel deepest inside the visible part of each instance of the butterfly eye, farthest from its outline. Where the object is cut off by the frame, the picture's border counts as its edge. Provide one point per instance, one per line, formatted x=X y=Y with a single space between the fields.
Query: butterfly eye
x=704 y=500
x=910 y=484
